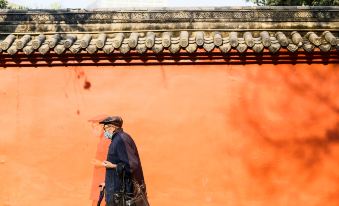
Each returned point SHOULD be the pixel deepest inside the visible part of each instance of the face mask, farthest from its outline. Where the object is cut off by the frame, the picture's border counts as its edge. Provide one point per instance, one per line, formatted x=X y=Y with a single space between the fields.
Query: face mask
x=108 y=135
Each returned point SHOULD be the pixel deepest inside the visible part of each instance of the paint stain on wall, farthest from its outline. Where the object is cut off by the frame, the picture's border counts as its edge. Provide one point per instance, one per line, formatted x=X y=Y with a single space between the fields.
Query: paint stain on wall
x=87 y=84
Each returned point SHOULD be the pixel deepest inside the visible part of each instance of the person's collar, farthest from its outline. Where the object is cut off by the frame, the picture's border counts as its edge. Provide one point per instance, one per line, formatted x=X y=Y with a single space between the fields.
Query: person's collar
x=116 y=131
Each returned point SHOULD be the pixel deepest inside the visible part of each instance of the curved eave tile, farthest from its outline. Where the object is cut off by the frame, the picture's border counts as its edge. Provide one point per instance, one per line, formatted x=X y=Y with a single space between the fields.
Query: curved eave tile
x=190 y=42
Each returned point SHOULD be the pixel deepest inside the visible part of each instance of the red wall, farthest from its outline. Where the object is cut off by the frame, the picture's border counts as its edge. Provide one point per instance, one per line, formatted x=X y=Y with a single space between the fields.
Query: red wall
x=248 y=135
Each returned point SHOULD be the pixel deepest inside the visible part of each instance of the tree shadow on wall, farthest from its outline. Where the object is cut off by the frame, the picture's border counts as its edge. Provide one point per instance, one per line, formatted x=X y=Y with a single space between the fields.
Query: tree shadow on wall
x=296 y=157
x=35 y=20
x=307 y=151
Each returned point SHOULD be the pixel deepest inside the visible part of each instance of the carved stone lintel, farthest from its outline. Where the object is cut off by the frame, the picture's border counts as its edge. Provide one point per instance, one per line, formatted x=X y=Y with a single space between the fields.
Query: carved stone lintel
x=228 y=18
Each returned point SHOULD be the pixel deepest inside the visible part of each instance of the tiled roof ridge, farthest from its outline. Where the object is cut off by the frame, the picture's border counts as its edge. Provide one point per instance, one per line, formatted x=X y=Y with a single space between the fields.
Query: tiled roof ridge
x=158 y=42
x=170 y=32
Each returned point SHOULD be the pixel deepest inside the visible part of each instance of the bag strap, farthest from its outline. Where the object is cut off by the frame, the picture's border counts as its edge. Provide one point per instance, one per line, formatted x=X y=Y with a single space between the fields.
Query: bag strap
x=136 y=185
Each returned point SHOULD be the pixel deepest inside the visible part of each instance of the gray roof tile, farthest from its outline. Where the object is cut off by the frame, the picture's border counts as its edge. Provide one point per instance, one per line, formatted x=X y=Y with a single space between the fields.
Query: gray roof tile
x=159 y=42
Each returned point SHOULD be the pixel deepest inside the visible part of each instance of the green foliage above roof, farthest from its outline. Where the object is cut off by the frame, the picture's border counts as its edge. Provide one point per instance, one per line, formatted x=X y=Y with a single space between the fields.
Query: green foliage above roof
x=296 y=2
x=3 y=4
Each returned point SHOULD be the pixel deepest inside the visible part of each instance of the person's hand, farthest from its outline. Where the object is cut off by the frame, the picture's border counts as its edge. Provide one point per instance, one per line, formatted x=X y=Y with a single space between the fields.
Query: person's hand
x=102 y=185
x=97 y=163
x=108 y=164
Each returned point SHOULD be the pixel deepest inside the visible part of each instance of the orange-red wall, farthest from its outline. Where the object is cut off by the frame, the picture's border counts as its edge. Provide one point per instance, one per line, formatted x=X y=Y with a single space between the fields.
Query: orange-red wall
x=251 y=135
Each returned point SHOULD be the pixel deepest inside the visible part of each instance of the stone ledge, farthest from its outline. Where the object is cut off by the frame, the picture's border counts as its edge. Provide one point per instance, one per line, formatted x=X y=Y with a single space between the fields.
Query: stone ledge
x=164 y=18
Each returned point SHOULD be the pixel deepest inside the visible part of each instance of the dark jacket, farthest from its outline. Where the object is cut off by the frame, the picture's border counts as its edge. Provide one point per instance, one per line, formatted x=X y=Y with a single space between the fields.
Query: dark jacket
x=123 y=152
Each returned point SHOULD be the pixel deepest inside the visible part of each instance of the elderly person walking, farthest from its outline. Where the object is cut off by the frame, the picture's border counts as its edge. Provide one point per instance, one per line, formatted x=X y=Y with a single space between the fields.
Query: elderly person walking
x=122 y=163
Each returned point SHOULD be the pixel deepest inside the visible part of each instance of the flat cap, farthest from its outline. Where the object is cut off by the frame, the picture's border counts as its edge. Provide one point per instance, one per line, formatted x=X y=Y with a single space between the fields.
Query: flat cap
x=115 y=120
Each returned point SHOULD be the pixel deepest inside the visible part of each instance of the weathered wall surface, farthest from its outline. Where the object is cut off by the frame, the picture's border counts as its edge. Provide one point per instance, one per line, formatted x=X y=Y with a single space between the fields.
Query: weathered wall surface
x=249 y=135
